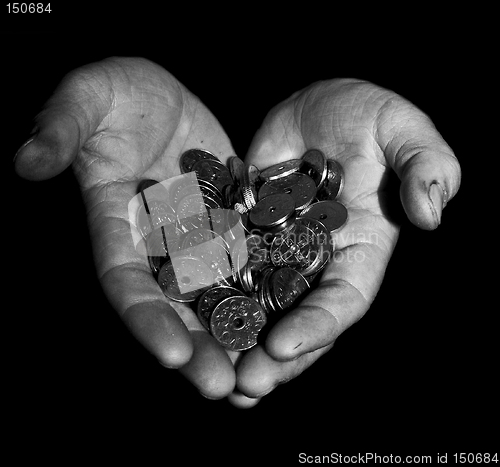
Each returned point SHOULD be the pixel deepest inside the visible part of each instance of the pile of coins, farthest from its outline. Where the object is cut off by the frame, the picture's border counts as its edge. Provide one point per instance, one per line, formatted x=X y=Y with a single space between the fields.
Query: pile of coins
x=240 y=244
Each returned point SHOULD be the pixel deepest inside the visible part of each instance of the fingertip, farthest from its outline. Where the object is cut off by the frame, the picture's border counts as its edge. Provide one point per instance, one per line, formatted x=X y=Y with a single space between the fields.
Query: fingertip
x=301 y=331
x=159 y=329
x=209 y=369
x=256 y=374
x=175 y=354
x=240 y=401
x=50 y=151
x=284 y=347
x=423 y=202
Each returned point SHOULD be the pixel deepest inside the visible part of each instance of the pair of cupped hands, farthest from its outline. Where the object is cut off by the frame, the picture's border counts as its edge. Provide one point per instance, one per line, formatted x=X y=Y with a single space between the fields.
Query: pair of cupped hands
x=122 y=120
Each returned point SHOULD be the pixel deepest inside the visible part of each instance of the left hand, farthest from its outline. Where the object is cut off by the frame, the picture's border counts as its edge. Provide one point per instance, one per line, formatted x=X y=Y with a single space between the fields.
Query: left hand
x=370 y=131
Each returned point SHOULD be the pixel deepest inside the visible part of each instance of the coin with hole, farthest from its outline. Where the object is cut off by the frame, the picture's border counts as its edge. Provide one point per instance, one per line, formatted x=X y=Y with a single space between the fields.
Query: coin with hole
x=236 y=322
x=332 y=214
x=281 y=170
x=184 y=278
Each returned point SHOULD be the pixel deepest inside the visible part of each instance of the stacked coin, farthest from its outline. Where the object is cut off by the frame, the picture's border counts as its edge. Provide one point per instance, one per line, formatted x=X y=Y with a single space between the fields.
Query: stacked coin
x=238 y=243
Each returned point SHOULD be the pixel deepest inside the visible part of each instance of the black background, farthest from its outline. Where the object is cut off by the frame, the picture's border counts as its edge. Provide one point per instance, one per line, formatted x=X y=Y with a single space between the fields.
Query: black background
x=415 y=375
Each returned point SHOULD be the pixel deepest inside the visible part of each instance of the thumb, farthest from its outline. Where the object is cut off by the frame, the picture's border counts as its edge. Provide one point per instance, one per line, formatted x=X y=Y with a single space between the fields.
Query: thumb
x=67 y=121
x=427 y=167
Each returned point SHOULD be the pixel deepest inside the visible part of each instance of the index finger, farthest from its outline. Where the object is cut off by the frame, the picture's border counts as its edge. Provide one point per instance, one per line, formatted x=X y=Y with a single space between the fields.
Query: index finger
x=127 y=280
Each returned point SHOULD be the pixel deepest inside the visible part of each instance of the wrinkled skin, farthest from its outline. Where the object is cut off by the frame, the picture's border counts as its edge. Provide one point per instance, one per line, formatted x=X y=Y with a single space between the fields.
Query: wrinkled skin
x=121 y=120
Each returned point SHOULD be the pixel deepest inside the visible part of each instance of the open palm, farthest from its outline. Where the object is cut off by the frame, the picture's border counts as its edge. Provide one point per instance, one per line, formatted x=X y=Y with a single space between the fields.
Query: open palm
x=123 y=120
x=370 y=131
x=118 y=122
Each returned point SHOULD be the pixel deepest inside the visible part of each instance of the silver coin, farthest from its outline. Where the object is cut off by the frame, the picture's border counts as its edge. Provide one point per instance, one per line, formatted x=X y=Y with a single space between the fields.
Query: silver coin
x=240 y=208
x=212 y=249
x=213 y=172
x=184 y=278
x=191 y=156
x=249 y=256
x=332 y=214
x=334 y=184
x=163 y=241
x=180 y=187
x=281 y=170
x=315 y=165
x=249 y=198
x=273 y=210
x=154 y=215
x=192 y=212
x=306 y=247
x=263 y=290
x=249 y=186
x=206 y=189
x=299 y=186
x=209 y=189
x=210 y=299
x=286 y=286
x=236 y=322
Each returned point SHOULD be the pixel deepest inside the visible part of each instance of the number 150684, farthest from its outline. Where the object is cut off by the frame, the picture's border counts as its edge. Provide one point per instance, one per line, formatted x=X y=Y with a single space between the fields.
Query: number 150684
x=28 y=8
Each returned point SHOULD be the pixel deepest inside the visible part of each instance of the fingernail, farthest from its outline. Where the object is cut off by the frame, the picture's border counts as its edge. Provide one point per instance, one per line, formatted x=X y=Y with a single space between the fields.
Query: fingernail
x=22 y=147
x=436 y=196
x=210 y=398
x=263 y=393
x=33 y=135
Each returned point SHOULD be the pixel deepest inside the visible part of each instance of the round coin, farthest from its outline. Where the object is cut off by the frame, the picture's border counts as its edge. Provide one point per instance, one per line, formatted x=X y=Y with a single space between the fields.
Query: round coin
x=323 y=251
x=210 y=190
x=281 y=170
x=334 y=184
x=332 y=214
x=196 y=237
x=215 y=255
x=315 y=165
x=202 y=188
x=286 y=286
x=192 y=212
x=163 y=241
x=184 y=278
x=236 y=322
x=191 y=156
x=299 y=186
x=214 y=172
x=153 y=215
x=209 y=300
x=304 y=247
x=273 y=210
x=235 y=225
x=258 y=255
x=263 y=289
x=249 y=255
x=179 y=188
